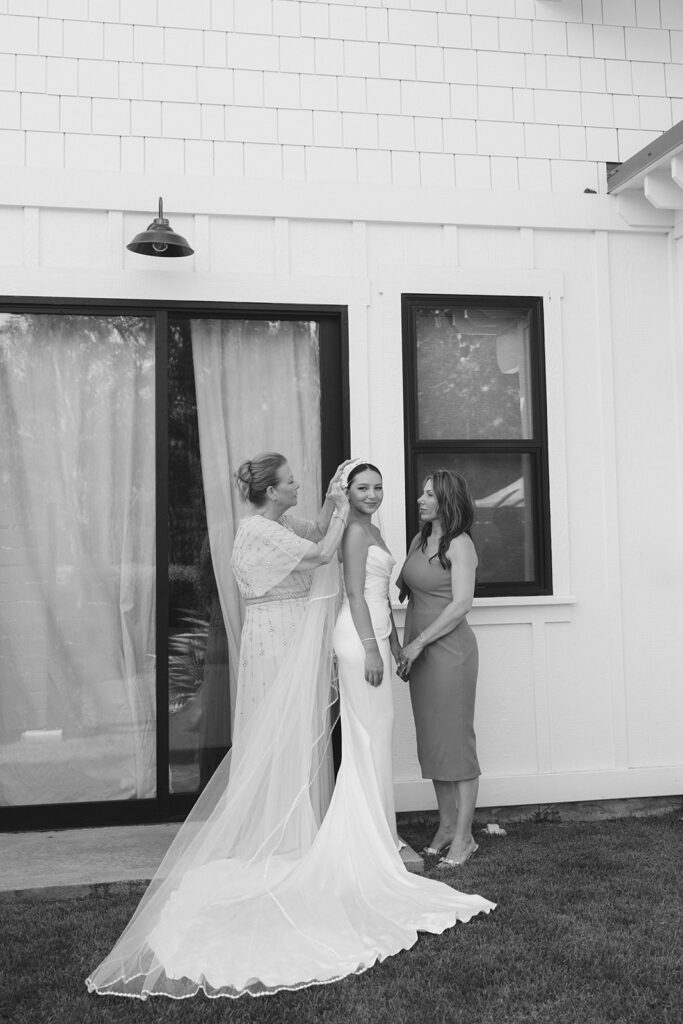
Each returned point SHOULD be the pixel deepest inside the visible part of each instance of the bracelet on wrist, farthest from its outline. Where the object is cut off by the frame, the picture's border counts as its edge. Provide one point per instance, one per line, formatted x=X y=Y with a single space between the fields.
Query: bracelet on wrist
x=368 y=639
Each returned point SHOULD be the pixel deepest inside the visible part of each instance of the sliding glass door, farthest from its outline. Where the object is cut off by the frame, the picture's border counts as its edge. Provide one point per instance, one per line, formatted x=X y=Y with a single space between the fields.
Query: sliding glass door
x=77 y=544
x=119 y=619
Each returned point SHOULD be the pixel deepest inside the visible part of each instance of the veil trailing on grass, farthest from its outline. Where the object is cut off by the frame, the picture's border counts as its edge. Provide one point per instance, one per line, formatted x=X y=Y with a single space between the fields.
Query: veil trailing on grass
x=261 y=889
x=222 y=878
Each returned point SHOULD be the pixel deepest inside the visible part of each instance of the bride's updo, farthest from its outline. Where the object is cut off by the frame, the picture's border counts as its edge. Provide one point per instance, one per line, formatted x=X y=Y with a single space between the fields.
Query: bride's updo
x=255 y=476
x=356 y=471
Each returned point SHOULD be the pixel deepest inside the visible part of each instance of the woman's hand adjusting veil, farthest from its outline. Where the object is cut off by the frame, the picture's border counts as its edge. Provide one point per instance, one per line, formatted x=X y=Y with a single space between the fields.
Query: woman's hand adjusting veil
x=336 y=479
x=326 y=548
x=339 y=496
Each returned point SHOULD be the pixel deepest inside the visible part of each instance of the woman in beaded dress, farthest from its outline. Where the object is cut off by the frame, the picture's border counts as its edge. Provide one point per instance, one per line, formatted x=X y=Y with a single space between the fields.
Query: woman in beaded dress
x=273 y=557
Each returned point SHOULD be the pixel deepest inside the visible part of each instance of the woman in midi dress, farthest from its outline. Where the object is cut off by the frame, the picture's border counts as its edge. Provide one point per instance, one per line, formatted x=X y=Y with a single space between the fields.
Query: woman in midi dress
x=440 y=658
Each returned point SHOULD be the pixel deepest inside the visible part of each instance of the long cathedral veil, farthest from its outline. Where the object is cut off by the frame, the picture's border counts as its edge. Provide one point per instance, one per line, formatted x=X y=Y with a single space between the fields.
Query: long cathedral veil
x=262 y=890
x=254 y=821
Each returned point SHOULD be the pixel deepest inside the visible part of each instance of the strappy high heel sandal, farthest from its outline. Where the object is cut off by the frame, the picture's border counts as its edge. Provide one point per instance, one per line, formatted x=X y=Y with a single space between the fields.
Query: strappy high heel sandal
x=448 y=862
x=434 y=851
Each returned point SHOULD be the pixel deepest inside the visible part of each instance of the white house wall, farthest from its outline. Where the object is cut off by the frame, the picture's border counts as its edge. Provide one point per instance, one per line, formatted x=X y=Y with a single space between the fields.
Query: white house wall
x=578 y=694
x=648 y=462
x=309 y=152
x=502 y=94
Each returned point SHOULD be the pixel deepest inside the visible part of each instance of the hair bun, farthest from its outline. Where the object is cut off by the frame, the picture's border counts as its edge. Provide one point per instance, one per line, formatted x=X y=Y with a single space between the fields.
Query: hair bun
x=254 y=476
x=243 y=479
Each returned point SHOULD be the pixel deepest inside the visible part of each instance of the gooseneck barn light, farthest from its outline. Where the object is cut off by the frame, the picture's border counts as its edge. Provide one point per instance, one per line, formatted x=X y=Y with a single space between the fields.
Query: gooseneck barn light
x=160 y=239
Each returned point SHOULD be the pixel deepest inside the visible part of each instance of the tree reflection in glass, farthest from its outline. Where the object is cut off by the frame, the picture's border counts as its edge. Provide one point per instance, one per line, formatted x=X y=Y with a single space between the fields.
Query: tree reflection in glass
x=473 y=385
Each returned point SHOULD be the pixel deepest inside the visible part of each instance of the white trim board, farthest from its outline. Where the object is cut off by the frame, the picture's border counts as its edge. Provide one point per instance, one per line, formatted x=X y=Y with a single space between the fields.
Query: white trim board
x=560 y=787
x=188 y=194
x=162 y=282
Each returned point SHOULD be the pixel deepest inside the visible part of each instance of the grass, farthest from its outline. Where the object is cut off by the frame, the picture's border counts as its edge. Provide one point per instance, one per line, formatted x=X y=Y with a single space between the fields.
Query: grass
x=587 y=931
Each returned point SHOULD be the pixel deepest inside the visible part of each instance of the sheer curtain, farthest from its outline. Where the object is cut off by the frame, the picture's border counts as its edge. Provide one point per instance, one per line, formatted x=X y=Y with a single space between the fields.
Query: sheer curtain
x=258 y=389
x=77 y=522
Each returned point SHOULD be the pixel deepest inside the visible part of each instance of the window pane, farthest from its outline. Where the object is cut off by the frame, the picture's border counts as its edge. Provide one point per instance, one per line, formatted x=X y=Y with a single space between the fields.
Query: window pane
x=503 y=528
x=196 y=633
x=473 y=373
x=77 y=542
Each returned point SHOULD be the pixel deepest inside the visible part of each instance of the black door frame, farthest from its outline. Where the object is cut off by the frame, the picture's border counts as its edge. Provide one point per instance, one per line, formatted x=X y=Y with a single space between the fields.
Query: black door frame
x=335 y=433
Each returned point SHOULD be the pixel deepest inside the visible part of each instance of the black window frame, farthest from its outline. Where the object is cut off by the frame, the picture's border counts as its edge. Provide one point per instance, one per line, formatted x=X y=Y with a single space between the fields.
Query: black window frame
x=335 y=437
x=536 y=447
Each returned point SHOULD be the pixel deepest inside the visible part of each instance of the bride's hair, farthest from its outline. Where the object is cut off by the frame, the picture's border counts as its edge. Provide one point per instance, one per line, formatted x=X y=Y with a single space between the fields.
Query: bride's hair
x=360 y=468
x=255 y=476
x=456 y=511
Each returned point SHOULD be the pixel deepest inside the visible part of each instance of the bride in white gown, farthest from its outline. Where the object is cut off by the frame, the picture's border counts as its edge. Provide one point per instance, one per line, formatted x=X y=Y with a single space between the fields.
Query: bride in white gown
x=365 y=635
x=255 y=895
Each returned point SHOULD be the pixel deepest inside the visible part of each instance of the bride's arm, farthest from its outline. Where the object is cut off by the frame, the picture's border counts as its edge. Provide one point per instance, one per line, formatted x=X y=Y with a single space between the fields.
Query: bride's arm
x=394 y=642
x=355 y=553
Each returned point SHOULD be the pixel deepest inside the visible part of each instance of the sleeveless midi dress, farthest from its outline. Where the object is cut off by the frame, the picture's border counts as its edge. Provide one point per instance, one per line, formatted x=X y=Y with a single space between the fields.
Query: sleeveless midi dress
x=443 y=680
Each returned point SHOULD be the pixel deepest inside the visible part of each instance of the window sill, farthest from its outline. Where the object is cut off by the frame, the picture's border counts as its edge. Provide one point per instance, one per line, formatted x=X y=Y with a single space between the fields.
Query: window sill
x=512 y=601
x=520 y=609
x=523 y=600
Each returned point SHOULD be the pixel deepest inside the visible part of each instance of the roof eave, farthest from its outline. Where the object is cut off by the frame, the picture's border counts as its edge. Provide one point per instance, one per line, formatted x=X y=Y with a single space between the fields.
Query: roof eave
x=661 y=150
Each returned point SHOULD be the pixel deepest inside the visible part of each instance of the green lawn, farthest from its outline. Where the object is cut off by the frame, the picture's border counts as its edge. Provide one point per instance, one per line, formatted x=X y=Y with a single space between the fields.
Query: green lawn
x=587 y=931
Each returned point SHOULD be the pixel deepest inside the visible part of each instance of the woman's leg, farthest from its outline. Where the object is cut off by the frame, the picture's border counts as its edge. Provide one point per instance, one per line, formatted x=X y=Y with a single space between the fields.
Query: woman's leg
x=463 y=841
x=447 y=802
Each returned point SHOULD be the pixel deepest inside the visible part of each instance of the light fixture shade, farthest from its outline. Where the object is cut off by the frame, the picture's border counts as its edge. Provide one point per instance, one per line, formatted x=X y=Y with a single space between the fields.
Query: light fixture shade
x=159 y=239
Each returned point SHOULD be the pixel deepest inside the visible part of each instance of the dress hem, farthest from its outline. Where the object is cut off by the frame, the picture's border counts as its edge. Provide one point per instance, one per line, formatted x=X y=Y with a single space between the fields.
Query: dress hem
x=378 y=958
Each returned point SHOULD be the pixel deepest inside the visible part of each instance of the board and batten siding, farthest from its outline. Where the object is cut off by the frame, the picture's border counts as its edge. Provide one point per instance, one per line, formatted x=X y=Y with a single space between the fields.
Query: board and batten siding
x=348 y=153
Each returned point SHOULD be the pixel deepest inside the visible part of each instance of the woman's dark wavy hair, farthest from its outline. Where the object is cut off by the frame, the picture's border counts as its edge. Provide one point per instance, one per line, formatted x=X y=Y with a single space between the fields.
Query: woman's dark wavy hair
x=456 y=511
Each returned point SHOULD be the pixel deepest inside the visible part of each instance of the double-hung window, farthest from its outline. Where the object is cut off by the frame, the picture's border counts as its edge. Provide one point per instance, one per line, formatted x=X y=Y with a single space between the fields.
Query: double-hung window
x=474 y=384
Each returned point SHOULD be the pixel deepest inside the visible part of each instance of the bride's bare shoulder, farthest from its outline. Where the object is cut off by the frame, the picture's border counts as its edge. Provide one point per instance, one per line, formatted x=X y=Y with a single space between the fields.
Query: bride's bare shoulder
x=354 y=528
x=355 y=538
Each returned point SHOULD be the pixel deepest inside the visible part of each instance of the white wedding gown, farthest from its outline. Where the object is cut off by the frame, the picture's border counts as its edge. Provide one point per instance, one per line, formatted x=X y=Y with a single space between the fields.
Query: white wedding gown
x=367 y=712
x=256 y=926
